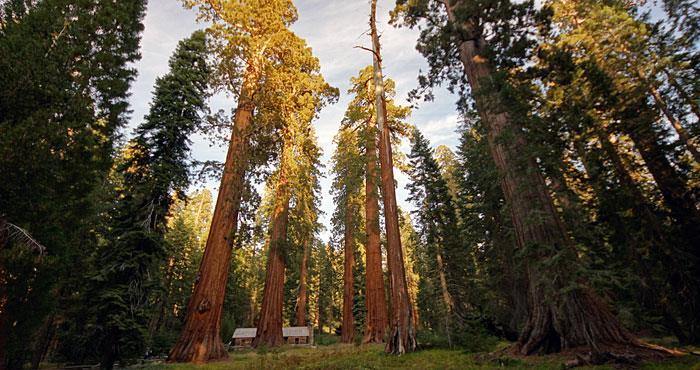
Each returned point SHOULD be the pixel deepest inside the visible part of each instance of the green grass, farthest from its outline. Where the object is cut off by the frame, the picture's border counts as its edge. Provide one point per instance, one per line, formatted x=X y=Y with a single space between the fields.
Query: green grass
x=343 y=356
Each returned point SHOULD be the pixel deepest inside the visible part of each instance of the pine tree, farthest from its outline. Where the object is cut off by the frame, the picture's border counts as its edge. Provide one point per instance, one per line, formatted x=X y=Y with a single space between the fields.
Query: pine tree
x=154 y=168
x=437 y=220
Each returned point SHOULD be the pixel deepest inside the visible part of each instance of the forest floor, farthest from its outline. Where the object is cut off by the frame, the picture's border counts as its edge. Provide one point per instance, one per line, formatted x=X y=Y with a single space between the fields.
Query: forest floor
x=349 y=356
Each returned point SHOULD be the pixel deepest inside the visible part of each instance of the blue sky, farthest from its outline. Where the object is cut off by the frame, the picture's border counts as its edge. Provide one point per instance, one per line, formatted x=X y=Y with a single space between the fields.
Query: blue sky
x=332 y=28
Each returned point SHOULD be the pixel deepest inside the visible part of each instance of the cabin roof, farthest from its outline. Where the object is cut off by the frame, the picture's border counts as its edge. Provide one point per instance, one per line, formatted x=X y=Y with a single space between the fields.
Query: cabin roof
x=294 y=331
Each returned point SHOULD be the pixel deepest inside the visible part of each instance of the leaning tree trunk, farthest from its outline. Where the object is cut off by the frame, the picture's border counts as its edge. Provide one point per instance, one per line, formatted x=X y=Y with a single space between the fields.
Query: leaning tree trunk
x=348 y=327
x=683 y=134
x=270 y=324
x=677 y=196
x=679 y=199
x=558 y=319
x=200 y=339
x=303 y=296
x=376 y=321
x=402 y=336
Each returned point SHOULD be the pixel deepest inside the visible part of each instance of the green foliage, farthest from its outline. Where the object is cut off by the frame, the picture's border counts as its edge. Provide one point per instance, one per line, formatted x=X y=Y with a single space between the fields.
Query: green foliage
x=154 y=167
x=63 y=100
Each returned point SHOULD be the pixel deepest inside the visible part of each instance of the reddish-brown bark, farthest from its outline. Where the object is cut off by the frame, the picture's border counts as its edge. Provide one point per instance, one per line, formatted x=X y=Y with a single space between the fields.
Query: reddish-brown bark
x=376 y=321
x=199 y=339
x=556 y=320
x=402 y=337
x=270 y=324
x=303 y=296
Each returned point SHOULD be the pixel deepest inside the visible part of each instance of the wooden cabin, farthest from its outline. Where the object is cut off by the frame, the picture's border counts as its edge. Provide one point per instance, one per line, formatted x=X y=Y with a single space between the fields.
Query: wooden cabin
x=295 y=335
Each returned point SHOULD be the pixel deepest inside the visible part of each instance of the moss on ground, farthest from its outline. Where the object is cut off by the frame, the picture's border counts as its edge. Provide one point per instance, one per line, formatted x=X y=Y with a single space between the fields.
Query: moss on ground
x=340 y=356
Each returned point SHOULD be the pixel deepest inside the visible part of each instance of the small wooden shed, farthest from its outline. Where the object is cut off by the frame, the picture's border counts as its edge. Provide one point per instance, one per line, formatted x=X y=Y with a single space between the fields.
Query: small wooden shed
x=243 y=337
x=295 y=335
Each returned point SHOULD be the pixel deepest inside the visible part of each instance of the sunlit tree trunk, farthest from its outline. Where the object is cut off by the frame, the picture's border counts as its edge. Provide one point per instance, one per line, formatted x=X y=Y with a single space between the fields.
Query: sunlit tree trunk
x=200 y=339
x=376 y=321
x=303 y=296
x=680 y=130
x=270 y=324
x=690 y=101
x=556 y=320
x=402 y=337
x=348 y=327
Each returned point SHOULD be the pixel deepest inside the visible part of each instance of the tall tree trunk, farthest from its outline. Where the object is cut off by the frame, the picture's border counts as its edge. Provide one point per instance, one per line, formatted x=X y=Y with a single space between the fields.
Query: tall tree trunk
x=200 y=339
x=692 y=103
x=446 y=297
x=677 y=196
x=376 y=322
x=270 y=324
x=303 y=296
x=402 y=337
x=348 y=327
x=680 y=130
x=557 y=319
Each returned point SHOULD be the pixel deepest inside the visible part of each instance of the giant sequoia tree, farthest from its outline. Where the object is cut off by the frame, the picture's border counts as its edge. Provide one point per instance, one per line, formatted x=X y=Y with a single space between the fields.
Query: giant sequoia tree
x=348 y=170
x=402 y=329
x=250 y=38
x=304 y=94
x=361 y=116
x=564 y=311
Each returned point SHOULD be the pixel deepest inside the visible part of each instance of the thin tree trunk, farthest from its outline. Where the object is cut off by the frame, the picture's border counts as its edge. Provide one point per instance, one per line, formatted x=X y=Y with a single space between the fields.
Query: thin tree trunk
x=348 y=326
x=683 y=94
x=200 y=339
x=302 y=298
x=446 y=297
x=46 y=334
x=270 y=324
x=376 y=322
x=677 y=196
x=556 y=320
x=402 y=337
x=680 y=130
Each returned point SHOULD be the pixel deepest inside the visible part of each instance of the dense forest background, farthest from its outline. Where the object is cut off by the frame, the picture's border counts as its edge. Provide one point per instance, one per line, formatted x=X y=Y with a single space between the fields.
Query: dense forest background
x=566 y=216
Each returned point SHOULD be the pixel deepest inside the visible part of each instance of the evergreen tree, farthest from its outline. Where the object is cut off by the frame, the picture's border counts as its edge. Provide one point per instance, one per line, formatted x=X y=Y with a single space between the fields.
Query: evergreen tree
x=360 y=116
x=258 y=53
x=65 y=74
x=155 y=167
x=558 y=296
x=437 y=221
x=348 y=170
